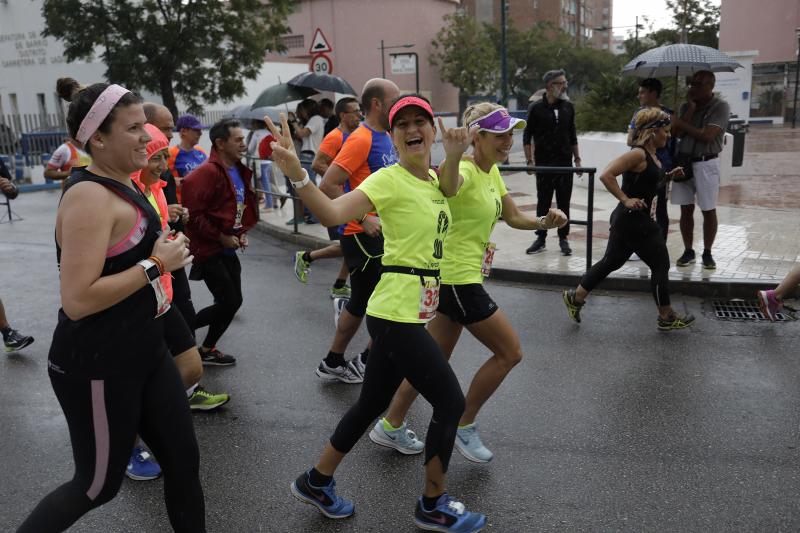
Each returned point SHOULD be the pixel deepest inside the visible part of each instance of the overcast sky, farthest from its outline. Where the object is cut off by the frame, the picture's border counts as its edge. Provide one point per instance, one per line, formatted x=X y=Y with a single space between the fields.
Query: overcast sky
x=625 y=12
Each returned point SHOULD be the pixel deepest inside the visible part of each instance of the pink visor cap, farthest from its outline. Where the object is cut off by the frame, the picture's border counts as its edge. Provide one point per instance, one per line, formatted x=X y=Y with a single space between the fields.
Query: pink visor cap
x=408 y=101
x=498 y=121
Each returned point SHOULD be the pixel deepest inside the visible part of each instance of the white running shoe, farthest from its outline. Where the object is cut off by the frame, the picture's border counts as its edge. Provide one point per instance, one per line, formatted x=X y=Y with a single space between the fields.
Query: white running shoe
x=401 y=439
x=345 y=374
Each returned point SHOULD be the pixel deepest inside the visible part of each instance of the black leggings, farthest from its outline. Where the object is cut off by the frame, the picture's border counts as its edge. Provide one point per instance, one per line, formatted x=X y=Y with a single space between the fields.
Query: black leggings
x=644 y=238
x=182 y=297
x=546 y=185
x=104 y=417
x=223 y=276
x=405 y=351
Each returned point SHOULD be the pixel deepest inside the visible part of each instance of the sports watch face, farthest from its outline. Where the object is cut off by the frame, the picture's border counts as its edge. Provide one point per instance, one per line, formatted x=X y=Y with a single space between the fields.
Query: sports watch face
x=153 y=273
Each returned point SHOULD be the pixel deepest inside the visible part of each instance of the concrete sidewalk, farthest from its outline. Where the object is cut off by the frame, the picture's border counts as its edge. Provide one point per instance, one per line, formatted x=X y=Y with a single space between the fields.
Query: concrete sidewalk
x=757 y=243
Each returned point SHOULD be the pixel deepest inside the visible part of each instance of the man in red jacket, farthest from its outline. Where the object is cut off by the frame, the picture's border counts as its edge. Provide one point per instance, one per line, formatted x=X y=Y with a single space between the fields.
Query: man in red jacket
x=222 y=207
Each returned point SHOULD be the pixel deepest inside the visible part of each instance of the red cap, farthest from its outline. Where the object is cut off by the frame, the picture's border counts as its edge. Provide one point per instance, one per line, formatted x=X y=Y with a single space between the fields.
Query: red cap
x=407 y=101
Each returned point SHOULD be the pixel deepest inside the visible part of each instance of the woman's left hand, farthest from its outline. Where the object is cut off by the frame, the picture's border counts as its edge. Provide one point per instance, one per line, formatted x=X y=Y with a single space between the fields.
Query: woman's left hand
x=283 y=153
x=555 y=219
x=456 y=140
x=676 y=172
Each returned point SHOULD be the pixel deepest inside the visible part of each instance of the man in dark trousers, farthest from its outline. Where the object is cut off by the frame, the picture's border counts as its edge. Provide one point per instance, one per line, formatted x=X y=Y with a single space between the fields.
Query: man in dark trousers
x=222 y=207
x=551 y=126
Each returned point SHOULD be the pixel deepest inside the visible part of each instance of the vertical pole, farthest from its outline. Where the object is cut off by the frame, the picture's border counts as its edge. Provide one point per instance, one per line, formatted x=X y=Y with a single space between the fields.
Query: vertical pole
x=636 y=38
x=416 y=70
x=383 y=65
x=589 y=221
x=796 y=80
x=504 y=61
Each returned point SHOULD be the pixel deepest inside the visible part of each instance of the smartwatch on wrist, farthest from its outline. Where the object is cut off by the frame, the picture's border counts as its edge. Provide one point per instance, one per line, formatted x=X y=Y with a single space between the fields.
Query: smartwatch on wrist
x=150 y=270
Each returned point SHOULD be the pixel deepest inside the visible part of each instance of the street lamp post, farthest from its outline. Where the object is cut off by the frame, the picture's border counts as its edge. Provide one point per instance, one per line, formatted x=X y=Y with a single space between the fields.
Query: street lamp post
x=503 y=58
x=383 y=58
x=796 y=79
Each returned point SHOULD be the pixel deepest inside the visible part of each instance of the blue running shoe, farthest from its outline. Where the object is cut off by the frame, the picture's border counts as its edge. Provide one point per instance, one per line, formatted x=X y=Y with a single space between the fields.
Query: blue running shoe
x=469 y=443
x=323 y=498
x=142 y=466
x=449 y=516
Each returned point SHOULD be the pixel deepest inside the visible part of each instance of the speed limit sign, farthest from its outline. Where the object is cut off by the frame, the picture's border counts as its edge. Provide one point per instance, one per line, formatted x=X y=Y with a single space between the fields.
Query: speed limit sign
x=321 y=64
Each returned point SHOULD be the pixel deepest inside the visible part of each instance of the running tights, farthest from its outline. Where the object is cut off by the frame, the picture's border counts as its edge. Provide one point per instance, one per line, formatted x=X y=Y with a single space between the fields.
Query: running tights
x=405 y=351
x=104 y=417
x=223 y=276
x=182 y=297
x=649 y=245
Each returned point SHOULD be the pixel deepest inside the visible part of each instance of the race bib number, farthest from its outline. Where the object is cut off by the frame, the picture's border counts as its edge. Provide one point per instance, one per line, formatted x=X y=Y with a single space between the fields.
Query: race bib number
x=237 y=221
x=428 y=299
x=488 y=257
x=162 y=302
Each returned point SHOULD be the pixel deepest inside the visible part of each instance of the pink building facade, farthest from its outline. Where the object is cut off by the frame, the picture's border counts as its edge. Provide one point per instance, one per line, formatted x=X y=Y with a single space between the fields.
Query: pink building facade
x=770 y=29
x=354 y=29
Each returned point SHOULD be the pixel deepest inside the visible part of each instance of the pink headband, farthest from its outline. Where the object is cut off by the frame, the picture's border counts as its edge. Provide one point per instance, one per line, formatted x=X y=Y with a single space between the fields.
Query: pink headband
x=99 y=111
x=407 y=101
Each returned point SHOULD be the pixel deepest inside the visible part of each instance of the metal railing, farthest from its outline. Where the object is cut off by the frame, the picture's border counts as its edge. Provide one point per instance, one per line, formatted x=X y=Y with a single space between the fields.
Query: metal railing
x=590 y=171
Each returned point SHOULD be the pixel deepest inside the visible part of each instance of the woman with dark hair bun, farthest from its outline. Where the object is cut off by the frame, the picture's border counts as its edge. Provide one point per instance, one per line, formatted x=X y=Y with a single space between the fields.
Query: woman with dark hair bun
x=108 y=362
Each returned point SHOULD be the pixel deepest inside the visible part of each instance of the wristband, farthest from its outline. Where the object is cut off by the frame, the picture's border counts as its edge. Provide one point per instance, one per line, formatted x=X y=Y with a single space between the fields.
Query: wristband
x=362 y=219
x=302 y=183
x=151 y=271
x=159 y=263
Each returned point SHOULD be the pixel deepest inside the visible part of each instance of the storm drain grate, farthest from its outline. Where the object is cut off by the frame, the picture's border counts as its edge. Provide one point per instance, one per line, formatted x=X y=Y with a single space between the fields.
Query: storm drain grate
x=745 y=310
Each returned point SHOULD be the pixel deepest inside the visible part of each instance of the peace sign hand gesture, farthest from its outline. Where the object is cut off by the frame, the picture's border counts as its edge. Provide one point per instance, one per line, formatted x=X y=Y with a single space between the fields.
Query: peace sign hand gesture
x=456 y=140
x=283 y=150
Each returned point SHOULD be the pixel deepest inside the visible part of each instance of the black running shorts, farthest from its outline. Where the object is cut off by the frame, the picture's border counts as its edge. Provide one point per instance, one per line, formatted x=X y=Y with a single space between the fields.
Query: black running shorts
x=177 y=334
x=362 y=254
x=466 y=304
x=333 y=233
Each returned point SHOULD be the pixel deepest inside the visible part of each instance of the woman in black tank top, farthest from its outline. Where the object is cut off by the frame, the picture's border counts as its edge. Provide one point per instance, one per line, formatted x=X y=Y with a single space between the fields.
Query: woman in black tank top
x=633 y=230
x=108 y=362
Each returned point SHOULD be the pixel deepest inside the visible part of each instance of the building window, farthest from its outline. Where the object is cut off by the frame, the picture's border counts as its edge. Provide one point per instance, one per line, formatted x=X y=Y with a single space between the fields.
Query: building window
x=294 y=41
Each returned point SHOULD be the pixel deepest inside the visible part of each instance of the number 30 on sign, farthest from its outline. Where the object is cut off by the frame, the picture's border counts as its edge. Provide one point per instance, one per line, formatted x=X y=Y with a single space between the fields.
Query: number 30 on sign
x=321 y=64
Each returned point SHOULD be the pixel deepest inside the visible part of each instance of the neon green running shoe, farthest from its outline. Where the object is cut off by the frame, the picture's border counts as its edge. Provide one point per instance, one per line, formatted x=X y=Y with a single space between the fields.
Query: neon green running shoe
x=675 y=321
x=573 y=307
x=202 y=400
x=340 y=292
x=301 y=267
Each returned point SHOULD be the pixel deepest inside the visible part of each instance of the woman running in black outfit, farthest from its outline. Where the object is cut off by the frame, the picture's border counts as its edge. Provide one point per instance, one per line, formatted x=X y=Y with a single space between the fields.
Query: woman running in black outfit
x=632 y=227
x=108 y=362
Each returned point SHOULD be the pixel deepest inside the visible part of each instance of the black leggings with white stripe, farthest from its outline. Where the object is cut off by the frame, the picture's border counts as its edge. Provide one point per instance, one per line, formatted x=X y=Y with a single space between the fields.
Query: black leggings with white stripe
x=104 y=417
x=401 y=350
x=629 y=234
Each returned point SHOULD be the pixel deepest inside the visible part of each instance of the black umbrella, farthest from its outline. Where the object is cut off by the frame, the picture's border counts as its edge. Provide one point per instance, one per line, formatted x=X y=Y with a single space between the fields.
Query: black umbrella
x=282 y=93
x=322 y=82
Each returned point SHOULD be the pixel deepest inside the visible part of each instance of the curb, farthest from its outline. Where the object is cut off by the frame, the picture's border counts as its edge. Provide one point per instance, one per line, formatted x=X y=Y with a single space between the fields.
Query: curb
x=702 y=289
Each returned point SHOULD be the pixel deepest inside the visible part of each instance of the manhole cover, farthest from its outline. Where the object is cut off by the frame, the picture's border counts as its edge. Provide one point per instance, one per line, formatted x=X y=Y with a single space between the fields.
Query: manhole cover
x=746 y=310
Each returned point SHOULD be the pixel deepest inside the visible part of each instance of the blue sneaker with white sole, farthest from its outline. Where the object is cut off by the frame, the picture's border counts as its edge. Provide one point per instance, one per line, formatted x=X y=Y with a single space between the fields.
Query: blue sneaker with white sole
x=469 y=443
x=142 y=466
x=449 y=516
x=323 y=498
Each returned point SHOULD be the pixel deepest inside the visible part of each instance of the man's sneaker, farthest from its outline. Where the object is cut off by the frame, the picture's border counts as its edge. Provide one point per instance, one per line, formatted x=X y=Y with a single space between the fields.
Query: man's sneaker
x=142 y=466
x=634 y=257
x=340 y=292
x=769 y=304
x=359 y=366
x=708 y=261
x=214 y=357
x=686 y=259
x=564 y=245
x=202 y=400
x=323 y=498
x=345 y=374
x=675 y=321
x=16 y=341
x=537 y=246
x=448 y=515
x=301 y=267
x=338 y=306
x=401 y=439
x=469 y=444
x=573 y=307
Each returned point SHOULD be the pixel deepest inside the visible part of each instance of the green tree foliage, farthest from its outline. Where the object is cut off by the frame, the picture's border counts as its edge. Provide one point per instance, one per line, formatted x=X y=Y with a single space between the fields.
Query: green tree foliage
x=699 y=19
x=465 y=55
x=608 y=104
x=194 y=49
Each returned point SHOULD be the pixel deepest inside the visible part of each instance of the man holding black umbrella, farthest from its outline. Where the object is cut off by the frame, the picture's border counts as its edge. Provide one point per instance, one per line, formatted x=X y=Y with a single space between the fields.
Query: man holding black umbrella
x=700 y=128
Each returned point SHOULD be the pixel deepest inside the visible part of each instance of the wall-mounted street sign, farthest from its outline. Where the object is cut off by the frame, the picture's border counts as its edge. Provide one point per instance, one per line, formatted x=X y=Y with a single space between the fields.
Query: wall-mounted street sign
x=319 y=44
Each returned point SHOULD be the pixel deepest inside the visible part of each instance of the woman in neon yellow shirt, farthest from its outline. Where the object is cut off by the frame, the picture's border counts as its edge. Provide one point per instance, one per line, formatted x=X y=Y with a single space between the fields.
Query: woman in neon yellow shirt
x=468 y=253
x=415 y=218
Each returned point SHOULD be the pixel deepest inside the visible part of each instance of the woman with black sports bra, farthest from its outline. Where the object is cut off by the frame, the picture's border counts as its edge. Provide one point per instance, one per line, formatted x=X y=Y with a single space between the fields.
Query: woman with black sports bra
x=633 y=230
x=108 y=361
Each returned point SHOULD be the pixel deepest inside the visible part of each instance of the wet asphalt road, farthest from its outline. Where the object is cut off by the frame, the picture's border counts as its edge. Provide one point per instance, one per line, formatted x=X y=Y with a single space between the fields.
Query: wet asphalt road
x=604 y=426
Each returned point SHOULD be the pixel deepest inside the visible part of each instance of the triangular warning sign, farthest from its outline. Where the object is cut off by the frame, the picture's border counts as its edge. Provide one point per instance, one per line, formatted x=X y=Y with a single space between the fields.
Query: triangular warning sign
x=319 y=44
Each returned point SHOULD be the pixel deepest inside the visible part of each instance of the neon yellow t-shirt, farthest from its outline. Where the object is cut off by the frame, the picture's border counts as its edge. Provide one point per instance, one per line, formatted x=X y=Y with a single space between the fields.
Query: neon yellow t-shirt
x=475 y=210
x=414 y=218
x=152 y=199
